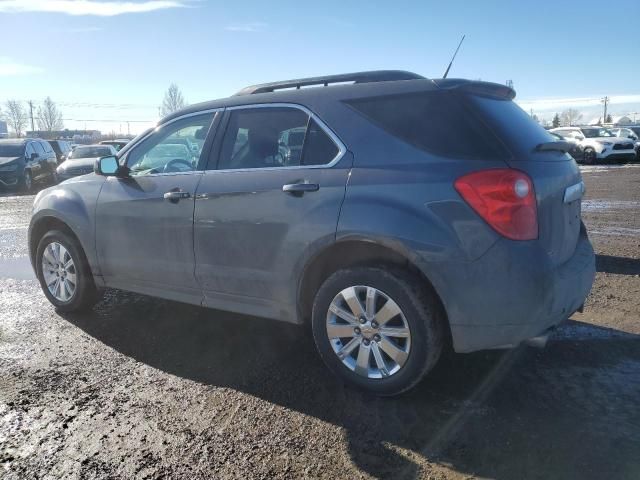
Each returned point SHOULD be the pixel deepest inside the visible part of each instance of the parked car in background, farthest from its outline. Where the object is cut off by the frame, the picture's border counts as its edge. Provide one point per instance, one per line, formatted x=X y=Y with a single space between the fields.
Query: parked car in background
x=392 y=236
x=291 y=145
x=26 y=161
x=62 y=149
x=576 y=150
x=82 y=160
x=598 y=143
x=632 y=133
x=117 y=143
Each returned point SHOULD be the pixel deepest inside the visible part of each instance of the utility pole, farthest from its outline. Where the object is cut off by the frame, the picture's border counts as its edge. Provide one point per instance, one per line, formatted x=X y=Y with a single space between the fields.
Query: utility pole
x=31 y=114
x=605 y=101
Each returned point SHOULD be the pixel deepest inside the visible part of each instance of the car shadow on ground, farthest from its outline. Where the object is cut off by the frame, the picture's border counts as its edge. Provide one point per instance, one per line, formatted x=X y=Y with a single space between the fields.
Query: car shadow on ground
x=619 y=265
x=569 y=411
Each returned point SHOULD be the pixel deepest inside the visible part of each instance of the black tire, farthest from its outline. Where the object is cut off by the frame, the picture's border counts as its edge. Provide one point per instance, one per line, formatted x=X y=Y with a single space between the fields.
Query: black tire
x=589 y=156
x=420 y=308
x=26 y=182
x=85 y=295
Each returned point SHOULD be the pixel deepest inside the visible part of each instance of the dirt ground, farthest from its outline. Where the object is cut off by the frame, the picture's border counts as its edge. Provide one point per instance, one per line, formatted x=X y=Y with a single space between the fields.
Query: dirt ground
x=149 y=389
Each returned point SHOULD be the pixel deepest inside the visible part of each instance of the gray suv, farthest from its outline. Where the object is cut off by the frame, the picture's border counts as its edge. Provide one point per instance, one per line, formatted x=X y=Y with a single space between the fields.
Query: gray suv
x=418 y=214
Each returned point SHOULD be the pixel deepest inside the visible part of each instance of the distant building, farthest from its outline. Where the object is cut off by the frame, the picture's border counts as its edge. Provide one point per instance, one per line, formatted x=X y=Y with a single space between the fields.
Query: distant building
x=76 y=136
x=4 y=131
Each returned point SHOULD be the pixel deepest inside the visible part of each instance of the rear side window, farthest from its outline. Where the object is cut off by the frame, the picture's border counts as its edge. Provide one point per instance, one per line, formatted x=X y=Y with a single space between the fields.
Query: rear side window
x=436 y=122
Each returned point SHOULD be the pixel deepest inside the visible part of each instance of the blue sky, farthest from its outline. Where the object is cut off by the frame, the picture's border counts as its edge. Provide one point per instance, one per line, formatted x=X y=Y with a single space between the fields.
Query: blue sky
x=111 y=61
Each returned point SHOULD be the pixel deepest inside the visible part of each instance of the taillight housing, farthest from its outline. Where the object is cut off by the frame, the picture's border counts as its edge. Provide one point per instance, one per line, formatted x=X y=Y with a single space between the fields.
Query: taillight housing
x=504 y=198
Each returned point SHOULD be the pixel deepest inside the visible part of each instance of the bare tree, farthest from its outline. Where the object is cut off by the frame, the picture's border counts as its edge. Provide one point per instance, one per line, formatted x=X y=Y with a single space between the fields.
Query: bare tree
x=16 y=116
x=173 y=100
x=570 y=117
x=49 y=117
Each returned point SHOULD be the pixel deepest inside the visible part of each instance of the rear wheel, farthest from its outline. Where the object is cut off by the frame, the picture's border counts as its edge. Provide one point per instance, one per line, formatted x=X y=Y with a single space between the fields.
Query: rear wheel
x=377 y=330
x=589 y=156
x=64 y=273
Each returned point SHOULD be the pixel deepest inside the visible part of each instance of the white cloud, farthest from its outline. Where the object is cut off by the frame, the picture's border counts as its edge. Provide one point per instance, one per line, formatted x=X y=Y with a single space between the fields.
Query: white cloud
x=83 y=29
x=548 y=104
x=11 y=68
x=247 y=27
x=87 y=7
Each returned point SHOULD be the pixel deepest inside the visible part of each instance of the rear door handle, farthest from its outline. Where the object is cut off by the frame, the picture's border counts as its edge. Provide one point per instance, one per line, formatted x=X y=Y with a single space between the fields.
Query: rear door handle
x=174 y=196
x=300 y=188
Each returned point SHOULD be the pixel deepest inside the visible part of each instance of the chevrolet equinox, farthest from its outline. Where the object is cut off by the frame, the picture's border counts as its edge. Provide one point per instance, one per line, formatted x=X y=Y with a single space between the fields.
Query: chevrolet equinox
x=395 y=214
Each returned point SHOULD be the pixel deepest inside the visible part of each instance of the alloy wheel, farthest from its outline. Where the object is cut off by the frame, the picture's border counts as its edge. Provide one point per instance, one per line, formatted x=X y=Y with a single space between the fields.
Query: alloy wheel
x=368 y=332
x=59 y=271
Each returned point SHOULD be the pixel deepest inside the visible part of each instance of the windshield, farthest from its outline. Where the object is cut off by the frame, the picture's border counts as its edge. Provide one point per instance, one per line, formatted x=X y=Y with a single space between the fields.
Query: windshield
x=11 y=150
x=596 y=132
x=90 y=152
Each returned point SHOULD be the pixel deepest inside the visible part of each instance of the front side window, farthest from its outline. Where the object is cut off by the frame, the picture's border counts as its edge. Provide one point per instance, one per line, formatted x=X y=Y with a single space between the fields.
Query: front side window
x=274 y=137
x=38 y=148
x=172 y=148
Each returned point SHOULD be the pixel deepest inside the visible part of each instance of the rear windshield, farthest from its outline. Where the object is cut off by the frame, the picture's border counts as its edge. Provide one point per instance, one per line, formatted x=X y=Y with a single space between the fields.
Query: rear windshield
x=511 y=122
x=436 y=122
x=90 y=152
x=9 y=150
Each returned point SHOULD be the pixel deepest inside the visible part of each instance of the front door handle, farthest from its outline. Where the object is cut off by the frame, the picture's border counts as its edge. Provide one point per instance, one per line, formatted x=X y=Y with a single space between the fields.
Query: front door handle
x=299 y=189
x=174 y=196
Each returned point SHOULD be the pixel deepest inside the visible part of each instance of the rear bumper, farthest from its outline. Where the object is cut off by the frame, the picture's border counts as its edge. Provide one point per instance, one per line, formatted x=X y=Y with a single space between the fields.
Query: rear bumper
x=513 y=293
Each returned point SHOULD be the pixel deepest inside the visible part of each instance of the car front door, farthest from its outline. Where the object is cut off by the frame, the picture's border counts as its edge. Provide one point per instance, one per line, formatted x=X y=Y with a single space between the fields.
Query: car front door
x=39 y=167
x=260 y=207
x=144 y=221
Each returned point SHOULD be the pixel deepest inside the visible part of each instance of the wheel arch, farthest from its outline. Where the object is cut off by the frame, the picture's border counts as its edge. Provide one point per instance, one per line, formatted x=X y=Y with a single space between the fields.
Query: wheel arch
x=39 y=229
x=352 y=253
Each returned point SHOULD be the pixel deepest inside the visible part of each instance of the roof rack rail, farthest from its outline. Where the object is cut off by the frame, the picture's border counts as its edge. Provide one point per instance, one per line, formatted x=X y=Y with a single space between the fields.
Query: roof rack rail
x=357 y=77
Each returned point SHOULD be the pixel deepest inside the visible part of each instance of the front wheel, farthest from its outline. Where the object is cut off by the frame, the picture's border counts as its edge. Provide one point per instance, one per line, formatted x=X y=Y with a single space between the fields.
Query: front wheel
x=589 y=156
x=64 y=273
x=377 y=330
x=26 y=182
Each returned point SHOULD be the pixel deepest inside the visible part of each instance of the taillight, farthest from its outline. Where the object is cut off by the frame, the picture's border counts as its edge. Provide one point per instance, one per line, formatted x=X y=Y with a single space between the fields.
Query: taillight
x=504 y=198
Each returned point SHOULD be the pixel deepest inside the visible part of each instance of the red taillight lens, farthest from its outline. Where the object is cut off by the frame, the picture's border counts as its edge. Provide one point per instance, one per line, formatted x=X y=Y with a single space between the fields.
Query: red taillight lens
x=505 y=199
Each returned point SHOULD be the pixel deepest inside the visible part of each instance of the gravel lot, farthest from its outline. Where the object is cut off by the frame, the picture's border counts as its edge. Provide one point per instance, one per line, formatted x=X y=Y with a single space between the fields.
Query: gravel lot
x=145 y=388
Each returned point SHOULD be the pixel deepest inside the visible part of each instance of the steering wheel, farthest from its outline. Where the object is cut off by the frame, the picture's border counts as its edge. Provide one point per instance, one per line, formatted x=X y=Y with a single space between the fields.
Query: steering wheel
x=172 y=164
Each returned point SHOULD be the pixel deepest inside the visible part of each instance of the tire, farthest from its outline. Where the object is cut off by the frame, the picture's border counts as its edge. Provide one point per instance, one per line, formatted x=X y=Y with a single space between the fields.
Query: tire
x=589 y=156
x=419 y=312
x=85 y=295
x=26 y=182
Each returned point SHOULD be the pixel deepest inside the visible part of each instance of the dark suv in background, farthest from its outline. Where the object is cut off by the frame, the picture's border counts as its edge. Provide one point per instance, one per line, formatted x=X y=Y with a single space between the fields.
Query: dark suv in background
x=62 y=149
x=415 y=214
x=25 y=161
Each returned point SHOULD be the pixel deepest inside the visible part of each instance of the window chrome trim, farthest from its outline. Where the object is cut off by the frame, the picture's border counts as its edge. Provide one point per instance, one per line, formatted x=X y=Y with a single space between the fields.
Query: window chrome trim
x=342 y=149
x=161 y=125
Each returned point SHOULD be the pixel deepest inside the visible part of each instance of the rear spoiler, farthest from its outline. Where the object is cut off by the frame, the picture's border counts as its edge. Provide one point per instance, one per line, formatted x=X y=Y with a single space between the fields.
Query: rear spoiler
x=558 y=146
x=476 y=87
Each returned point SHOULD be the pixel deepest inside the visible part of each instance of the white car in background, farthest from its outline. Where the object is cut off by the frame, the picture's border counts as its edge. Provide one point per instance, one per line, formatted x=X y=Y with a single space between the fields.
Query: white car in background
x=599 y=144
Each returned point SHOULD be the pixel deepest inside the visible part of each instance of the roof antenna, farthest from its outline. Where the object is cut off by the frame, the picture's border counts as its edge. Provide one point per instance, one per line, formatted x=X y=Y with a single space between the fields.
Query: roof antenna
x=453 y=58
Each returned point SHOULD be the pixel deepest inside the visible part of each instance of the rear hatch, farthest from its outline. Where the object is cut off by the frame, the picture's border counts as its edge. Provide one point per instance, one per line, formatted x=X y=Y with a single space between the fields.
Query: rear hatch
x=555 y=175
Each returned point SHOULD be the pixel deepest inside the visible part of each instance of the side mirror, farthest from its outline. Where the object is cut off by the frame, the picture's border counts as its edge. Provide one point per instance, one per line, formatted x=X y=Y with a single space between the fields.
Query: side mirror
x=33 y=156
x=107 y=166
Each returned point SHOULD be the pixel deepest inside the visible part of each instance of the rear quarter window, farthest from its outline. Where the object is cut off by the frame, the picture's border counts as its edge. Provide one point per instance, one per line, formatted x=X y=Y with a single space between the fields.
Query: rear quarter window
x=438 y=122
x=512 y=123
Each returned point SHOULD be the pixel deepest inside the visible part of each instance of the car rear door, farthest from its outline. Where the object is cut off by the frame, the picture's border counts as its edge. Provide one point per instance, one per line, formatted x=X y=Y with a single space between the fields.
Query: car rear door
x=144 y=223
x=259 y=209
